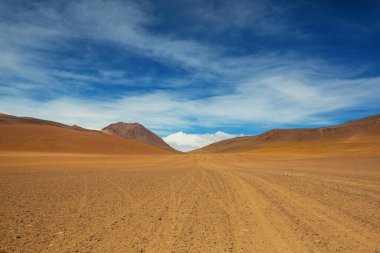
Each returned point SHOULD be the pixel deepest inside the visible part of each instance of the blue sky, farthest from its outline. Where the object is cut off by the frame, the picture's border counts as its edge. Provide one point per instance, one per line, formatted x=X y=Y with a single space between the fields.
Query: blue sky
x=195 y=67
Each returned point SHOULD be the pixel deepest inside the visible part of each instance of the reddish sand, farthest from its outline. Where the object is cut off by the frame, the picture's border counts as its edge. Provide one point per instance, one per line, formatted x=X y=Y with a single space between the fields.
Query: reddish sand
x=69 y=190
x=188 y=203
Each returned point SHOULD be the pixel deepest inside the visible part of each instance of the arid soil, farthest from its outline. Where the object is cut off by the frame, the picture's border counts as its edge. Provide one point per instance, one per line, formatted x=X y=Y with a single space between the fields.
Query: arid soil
x=188 y=203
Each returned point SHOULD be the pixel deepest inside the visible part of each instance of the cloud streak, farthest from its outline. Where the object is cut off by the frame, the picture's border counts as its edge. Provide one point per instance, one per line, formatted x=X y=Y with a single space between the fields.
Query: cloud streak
x=260 y=102
x=56 y=63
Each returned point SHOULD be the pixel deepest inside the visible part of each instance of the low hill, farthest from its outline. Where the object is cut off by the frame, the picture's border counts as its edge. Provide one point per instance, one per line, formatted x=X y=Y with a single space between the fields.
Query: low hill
x=136 y=131
x=6 y=119
x=362 y=134
x=35 y=135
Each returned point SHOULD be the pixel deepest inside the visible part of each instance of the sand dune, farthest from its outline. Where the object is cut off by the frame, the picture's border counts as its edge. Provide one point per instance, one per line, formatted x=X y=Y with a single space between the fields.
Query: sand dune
x=363 y=134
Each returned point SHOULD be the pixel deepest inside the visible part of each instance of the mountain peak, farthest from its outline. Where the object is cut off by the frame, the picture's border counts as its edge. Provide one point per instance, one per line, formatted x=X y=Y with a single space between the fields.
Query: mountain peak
x=135 y=131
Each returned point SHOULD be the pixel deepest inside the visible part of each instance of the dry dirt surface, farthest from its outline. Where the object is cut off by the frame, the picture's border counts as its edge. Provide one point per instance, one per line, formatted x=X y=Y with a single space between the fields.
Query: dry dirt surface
x=188 y=203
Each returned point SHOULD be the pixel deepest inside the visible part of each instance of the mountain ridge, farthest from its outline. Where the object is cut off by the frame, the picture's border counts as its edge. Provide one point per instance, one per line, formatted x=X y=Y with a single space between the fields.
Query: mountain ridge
x=29 y=134
x=365 y=127
x=6 y=119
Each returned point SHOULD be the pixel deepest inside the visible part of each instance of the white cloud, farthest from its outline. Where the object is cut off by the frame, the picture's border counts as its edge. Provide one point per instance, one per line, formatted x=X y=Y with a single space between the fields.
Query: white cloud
x=36 y=34
x=257 y=102
x=187 y=142
x=156 y=111
x=271 y=89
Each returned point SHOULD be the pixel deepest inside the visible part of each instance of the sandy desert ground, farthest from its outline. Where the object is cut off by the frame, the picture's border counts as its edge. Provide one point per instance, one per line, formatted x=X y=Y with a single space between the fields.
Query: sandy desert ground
x=188 y=203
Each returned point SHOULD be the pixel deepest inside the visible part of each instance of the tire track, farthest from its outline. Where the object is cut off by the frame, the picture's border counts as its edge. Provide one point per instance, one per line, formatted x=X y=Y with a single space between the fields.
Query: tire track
x=83 y=200
x=165 y=235
x=319 y=211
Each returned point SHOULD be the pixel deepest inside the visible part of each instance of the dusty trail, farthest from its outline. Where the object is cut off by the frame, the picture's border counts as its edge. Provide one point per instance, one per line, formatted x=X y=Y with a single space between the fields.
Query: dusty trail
x=188 y=203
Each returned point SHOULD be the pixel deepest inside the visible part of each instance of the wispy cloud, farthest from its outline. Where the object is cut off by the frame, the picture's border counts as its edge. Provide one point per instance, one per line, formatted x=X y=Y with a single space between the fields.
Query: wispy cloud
x=265 y=18
x=56 y=63
x=270 y=101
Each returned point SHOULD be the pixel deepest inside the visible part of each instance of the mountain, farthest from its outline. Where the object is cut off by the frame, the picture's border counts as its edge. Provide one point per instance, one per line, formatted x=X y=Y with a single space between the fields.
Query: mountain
x=35 y=135
x=135 y=131
x=6 y=119
x=362 y=134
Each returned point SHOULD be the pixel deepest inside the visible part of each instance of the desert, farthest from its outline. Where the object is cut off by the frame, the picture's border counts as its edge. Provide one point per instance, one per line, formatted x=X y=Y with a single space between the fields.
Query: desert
x=165 y=201
x=189 y=126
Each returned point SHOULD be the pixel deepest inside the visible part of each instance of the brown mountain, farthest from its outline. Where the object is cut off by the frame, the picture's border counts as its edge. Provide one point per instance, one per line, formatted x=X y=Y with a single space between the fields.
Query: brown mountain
x=6 y=119
x=136 y=131
x=362 y=134
x=35 y=135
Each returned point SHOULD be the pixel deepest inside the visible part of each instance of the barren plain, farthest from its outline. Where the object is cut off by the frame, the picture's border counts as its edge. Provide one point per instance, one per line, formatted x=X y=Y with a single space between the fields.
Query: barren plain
x=189 y=203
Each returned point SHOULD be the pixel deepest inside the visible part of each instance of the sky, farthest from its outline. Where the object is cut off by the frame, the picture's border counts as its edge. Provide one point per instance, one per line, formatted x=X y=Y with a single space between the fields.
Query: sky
x=194 y=72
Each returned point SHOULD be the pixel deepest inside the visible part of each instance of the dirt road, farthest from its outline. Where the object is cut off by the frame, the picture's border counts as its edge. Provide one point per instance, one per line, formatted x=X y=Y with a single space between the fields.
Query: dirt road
x=188 y=203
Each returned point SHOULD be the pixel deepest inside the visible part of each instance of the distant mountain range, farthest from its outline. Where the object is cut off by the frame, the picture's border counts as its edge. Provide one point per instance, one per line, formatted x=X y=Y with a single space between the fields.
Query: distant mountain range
x=362 y=134
x=36 y=135
x=6 y=119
